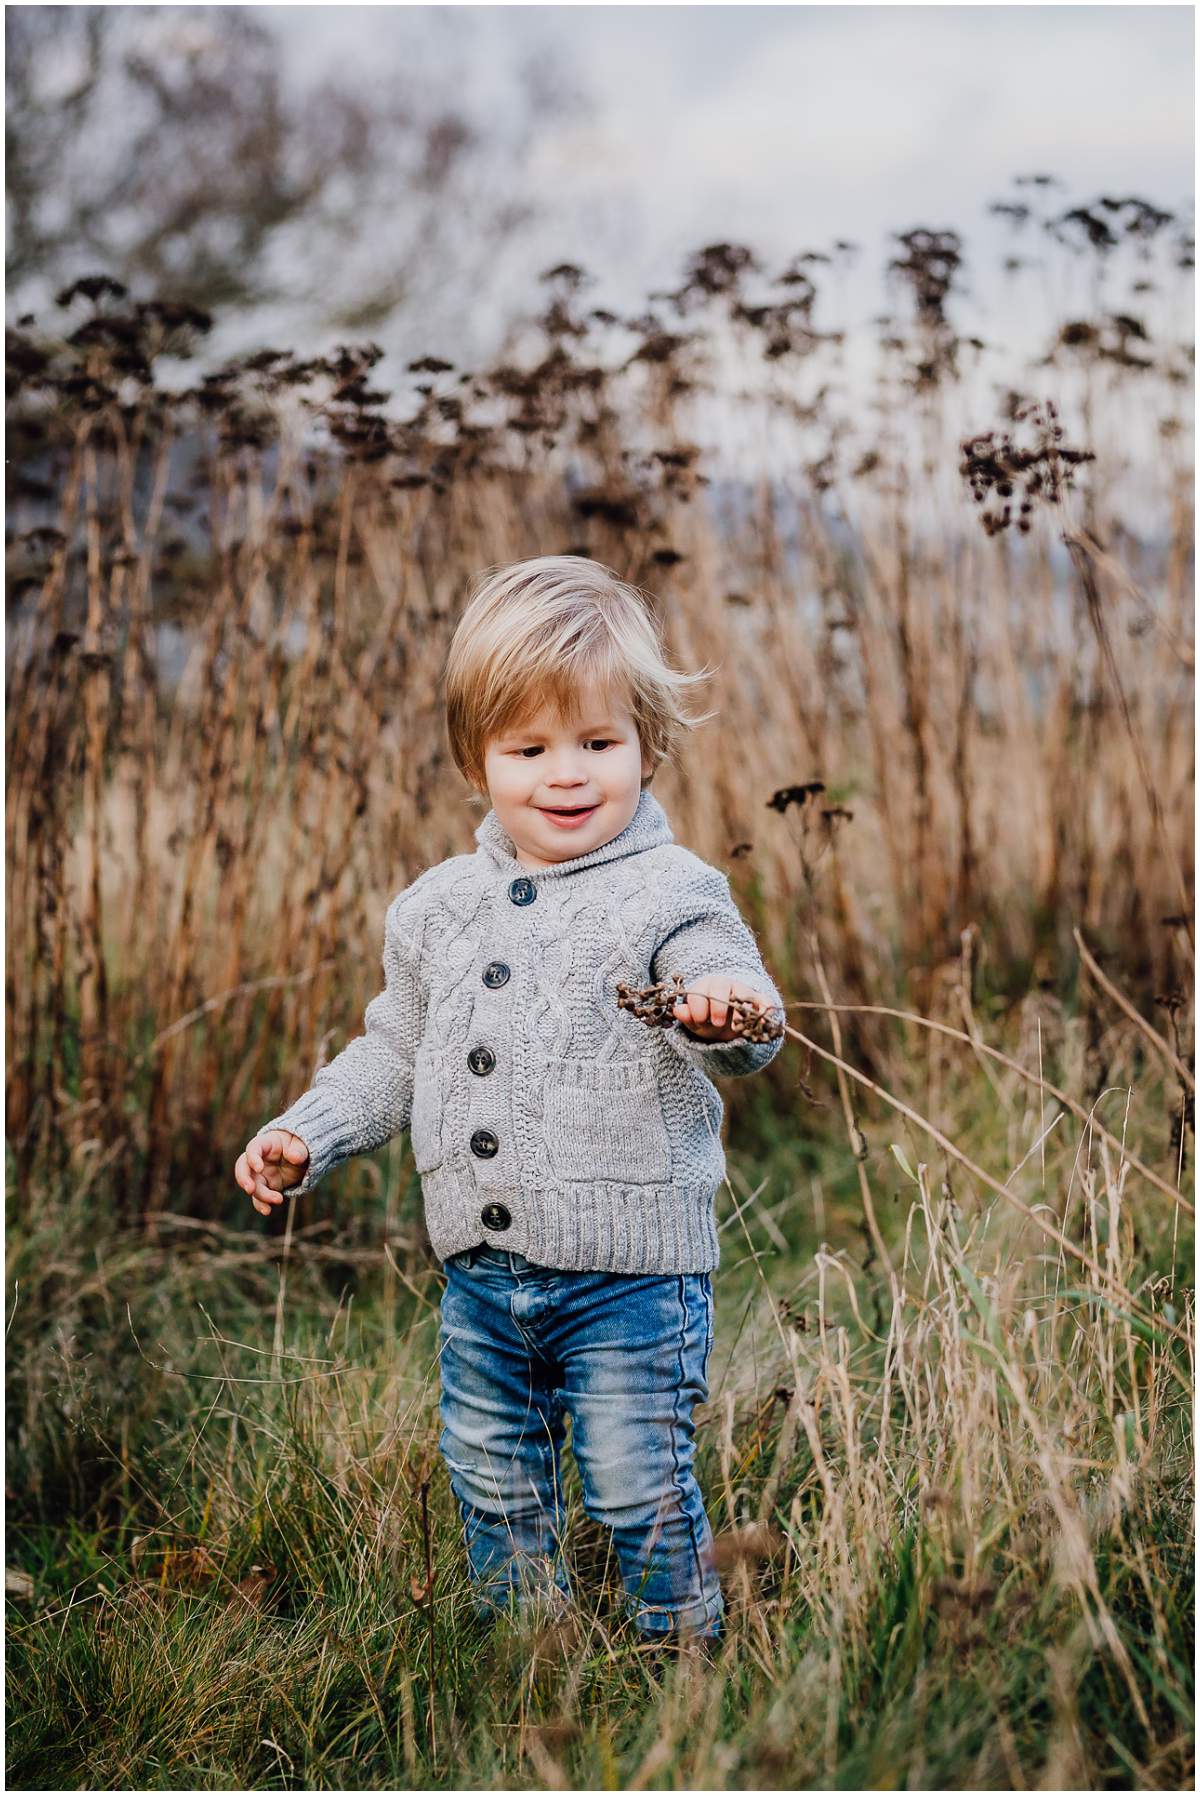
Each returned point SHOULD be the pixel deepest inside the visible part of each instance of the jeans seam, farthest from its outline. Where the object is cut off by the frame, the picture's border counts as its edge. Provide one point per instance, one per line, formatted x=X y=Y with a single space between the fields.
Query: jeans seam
x=675 y=1476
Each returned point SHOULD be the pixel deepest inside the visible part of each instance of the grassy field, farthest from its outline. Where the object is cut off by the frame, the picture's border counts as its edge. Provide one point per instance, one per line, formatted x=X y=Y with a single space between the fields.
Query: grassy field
x=948 y=1451
x=953 y=1500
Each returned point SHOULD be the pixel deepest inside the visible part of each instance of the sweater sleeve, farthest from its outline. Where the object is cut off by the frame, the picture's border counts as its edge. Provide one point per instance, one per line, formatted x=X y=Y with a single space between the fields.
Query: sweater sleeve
x=364 y=1095
x=706 y=933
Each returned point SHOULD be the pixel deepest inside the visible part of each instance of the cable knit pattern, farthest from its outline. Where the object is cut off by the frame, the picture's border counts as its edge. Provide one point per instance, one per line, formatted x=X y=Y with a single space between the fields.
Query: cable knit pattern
x=543 y=1117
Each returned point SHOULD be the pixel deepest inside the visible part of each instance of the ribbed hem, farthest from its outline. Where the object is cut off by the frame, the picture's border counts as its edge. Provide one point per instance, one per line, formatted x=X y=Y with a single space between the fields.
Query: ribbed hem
x=580 y=1227
x=324 y=1128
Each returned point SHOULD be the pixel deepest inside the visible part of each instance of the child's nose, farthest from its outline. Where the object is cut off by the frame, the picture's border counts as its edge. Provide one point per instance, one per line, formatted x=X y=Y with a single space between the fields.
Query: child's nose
x=566 y=765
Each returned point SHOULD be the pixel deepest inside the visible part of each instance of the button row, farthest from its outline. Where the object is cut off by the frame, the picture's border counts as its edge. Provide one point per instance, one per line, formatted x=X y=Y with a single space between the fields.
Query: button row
x=484 y=1142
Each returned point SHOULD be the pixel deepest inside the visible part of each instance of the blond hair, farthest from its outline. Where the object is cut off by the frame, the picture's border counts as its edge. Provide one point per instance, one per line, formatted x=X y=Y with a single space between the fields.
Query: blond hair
x=533 y=632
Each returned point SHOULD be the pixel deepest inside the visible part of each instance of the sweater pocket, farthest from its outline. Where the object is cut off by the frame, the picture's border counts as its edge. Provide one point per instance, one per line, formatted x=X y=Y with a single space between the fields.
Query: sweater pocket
x=426 y=1125
x=604 y=1121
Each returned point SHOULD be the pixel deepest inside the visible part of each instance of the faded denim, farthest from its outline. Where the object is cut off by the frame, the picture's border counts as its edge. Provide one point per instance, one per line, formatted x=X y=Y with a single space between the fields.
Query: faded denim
x=625 y=1355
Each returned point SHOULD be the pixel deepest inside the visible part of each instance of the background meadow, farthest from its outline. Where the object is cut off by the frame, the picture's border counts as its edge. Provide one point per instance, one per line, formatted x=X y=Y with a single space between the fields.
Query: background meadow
x=943 y=578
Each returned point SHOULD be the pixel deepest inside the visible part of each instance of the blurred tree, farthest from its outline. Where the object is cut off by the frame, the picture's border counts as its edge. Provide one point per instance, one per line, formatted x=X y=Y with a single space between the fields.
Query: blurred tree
x=168 y=147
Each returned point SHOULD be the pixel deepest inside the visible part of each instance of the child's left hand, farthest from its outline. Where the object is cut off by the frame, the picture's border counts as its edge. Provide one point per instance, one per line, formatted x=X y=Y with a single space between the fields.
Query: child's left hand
x=705 y=1011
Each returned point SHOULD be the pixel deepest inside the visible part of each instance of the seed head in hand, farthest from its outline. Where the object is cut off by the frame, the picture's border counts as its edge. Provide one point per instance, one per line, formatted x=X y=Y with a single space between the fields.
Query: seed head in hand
x=716 y=1007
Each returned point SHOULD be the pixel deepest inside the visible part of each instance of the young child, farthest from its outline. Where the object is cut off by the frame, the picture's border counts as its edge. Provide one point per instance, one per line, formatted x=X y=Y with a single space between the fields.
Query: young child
x=568 y=1153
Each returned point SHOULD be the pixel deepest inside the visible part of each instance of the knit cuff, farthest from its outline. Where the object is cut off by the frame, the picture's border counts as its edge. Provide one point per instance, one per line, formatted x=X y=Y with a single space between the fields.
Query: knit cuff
x=724 y=1059
x=324 y=1128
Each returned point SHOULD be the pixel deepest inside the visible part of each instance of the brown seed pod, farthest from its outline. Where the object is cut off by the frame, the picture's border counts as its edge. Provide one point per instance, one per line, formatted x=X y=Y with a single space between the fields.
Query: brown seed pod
x=654 y=1005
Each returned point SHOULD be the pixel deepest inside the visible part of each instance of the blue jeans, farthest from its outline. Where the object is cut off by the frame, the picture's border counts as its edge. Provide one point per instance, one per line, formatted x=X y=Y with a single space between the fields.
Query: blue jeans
x=626 y=1356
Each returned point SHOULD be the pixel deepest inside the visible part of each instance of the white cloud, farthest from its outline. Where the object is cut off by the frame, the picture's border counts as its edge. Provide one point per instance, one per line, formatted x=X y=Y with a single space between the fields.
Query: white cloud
x=867 y=92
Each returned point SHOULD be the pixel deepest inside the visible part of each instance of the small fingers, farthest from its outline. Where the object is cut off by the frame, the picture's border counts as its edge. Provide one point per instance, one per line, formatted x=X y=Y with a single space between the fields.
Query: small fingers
x=721 y=1005
x=692 y=1008
x=251 y=1177
x=255 y=1176
x=267 y=1194
x=718 y=1006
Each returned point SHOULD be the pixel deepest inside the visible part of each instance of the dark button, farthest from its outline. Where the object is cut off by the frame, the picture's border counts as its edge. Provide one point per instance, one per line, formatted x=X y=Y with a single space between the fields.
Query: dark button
x=484 y=1143
x=522 y=891
x=495 y=973
x=495 y=1217
x=481 y=1060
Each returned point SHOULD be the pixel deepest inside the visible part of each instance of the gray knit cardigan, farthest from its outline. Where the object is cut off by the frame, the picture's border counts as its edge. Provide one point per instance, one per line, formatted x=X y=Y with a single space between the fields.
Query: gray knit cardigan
x=543 y=1118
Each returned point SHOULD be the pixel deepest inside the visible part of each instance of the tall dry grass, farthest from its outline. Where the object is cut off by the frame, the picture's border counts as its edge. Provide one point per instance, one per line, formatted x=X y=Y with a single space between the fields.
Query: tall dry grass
x=948 y=1447
x=1003 y=744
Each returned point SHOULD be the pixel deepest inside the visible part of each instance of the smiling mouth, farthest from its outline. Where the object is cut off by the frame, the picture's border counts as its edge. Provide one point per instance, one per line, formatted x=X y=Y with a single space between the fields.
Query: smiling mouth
x=562 y=810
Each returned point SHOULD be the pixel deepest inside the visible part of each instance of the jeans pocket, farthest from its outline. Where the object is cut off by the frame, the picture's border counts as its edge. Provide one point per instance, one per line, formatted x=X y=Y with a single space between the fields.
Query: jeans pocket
x=604 y=1120
x=480 y=1259
x=484 y=1255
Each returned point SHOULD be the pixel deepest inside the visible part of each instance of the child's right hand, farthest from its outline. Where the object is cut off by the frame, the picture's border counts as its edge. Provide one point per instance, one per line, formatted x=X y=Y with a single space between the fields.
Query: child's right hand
x=270 y=1165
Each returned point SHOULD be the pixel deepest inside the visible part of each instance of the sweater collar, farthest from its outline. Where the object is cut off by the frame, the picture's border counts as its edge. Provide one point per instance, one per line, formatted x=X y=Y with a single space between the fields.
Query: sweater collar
x=647 y=828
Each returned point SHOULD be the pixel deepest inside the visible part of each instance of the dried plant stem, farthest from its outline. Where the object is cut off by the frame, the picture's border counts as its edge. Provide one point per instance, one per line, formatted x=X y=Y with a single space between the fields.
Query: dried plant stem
x=976 y=1171
x=1135 y=1016
x=982 y=1047
x=1079 y=543
x=277 y=1343
x=427 y=1538
x=93 y=982
x=1113 y=568
x=852 y=1129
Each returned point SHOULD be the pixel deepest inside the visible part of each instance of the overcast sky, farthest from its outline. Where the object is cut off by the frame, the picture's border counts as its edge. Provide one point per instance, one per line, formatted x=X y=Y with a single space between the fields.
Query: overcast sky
x=781 y=128
x=787 y=127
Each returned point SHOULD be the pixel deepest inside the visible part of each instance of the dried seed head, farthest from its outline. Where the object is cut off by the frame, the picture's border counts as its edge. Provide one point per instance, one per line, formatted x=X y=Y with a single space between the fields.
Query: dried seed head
x=654 y=1005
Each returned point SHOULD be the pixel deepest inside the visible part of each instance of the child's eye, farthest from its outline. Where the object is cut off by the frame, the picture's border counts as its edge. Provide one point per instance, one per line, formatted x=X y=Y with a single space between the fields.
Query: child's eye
x=535 y=748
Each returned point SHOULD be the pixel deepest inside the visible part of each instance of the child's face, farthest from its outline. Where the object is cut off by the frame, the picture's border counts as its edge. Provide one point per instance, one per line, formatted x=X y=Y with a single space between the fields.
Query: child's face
x=594 y=761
